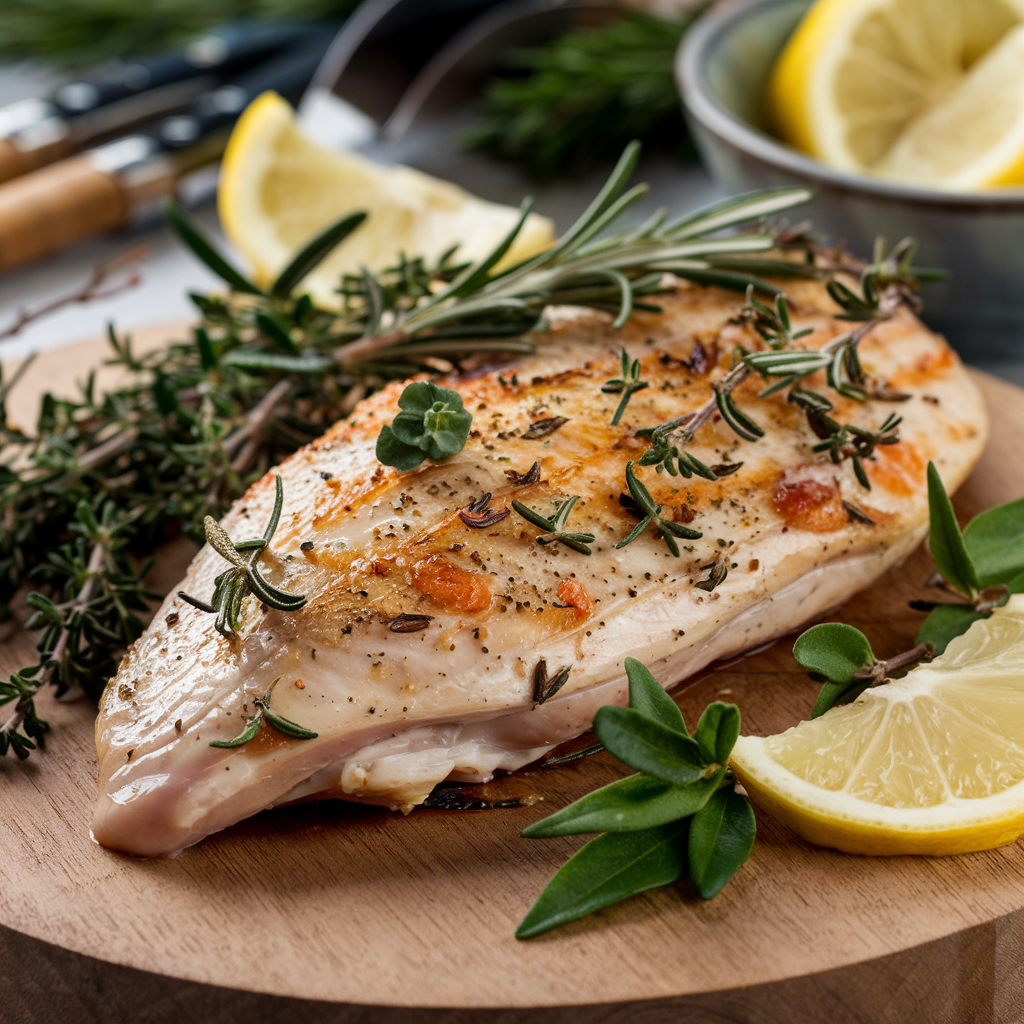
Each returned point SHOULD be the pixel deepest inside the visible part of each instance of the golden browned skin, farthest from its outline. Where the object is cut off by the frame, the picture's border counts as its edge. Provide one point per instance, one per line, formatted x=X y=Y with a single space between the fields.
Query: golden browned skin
x=398 y=711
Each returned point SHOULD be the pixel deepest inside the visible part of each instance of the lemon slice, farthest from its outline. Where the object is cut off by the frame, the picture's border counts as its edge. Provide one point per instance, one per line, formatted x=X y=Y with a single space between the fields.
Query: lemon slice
x=932 y=763
x=278 y=190
x=974 y=138
x=856 y=73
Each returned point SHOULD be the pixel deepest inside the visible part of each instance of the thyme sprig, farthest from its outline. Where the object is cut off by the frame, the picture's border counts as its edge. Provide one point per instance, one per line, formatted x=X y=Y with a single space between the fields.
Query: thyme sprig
x=628 y=384
x=244 y=578
x=554 y=525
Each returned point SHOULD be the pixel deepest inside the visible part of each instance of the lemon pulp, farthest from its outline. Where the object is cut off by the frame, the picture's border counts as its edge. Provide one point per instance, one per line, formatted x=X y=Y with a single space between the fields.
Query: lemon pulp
x=856 y=73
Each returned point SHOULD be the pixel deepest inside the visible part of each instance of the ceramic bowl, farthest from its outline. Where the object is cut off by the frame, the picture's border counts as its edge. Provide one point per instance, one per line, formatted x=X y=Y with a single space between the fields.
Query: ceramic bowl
x=722 y=69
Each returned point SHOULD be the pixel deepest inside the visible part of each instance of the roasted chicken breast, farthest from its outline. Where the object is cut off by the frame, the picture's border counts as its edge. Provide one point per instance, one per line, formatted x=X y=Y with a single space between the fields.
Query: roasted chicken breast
x=437 y=626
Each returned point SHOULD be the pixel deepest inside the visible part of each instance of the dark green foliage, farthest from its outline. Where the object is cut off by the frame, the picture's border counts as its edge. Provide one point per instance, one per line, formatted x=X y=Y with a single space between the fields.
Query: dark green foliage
x=580 y=98
x=648 y=819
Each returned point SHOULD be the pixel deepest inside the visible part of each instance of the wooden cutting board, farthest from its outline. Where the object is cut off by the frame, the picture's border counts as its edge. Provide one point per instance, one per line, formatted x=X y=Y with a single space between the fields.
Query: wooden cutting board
x=334 y=913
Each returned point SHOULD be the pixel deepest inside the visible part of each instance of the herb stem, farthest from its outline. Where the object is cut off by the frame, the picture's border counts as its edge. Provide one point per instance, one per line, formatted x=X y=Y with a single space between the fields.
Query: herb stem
x=90 y=291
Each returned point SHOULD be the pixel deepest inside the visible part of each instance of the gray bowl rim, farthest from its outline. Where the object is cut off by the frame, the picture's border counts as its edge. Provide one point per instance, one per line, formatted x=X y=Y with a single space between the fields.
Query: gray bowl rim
x=704 y=108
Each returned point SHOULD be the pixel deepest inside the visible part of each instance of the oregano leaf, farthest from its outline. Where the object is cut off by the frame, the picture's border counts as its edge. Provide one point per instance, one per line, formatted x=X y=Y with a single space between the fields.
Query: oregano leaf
x=832 y=694
x=432 y=421
x=834 y=650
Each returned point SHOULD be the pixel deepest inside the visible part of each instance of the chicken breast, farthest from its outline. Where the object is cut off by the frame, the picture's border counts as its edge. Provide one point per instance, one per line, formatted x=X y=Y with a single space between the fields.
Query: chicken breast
x=437 y=626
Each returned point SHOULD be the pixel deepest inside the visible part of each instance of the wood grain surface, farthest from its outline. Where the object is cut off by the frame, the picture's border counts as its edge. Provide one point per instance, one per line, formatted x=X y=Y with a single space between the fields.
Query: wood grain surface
x=337 y=913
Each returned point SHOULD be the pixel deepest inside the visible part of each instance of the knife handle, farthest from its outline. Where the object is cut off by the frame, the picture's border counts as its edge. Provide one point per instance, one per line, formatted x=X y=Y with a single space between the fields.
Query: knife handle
x=16 y=160
x=57 y=206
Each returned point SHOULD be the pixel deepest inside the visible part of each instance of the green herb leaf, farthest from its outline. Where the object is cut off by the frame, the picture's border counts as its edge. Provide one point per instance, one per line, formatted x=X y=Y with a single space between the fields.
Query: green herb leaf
x=647 y=746
x=648 y=697
x=720 y=840
x=248 y=733
x=832 y=694
x=288 y=727
x=432 y=424
x=628 y=805
x=946 y=622
x=834 y=650
x=995 y=542
x=608 y=869
x=314 y=252
x=188 y=231
x=392 y=452
x=717 y=730
x=260 y=359
x=946 y=542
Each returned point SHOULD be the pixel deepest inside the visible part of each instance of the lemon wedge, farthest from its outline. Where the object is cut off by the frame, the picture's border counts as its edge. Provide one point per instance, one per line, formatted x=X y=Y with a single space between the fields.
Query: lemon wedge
x=856 y=73
x=278 y=190
x=932 y=763
x=975 y=138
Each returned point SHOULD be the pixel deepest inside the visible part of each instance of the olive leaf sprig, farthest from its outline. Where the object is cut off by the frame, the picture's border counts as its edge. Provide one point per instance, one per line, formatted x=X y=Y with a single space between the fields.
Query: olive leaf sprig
x=982 y=565
x=681 y=815
x=244 y=578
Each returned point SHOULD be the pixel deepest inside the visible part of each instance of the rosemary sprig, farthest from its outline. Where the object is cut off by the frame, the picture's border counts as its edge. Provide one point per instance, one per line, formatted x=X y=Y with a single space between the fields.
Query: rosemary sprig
x=667 y=530
x=554 y=525
x=581 y=97
x=887 y=283
x=264 y=716
x=584 y=267
x=244 y=578
x=628 y=384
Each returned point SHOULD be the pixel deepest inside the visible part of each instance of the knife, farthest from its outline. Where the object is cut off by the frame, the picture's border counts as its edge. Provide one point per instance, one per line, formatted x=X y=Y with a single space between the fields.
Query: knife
x=108 y=186
x=84 y=111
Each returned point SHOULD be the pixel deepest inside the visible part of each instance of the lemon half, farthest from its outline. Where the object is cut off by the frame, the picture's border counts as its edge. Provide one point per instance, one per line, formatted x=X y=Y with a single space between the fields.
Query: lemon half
x=857 y=73
x=278 y=190
x=932 y=763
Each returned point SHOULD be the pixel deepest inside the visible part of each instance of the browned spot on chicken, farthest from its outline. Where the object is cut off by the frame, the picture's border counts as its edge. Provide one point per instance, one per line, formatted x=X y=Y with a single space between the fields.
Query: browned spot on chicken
x=573 y=593
x=807 y=502
x=929 y=365
x=450 y=586
x=898 y=468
